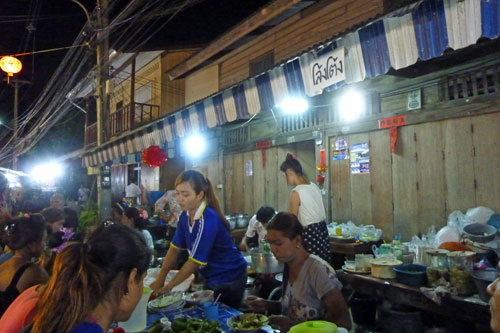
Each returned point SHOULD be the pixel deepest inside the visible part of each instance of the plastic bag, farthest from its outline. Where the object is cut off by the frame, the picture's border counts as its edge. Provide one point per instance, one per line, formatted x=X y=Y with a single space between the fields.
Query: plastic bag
x=479 y=214
x=368 y=233
x=447 y=234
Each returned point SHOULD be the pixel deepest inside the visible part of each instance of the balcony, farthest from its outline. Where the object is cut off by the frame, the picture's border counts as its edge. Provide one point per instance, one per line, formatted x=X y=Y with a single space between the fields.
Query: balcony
x=122 y=120
x=91 y=136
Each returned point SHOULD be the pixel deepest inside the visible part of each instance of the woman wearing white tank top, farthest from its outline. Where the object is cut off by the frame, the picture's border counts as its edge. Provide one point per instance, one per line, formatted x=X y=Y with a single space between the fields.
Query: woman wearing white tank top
x=306 y=203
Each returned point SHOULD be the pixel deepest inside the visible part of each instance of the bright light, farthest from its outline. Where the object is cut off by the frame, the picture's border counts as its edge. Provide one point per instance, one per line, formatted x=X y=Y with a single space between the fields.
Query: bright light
x=351 y=105
x=294 y=105
x=46 y=173
x=194 y=145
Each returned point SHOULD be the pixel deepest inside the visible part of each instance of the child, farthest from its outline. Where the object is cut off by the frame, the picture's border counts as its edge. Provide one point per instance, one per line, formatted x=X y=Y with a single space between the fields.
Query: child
x=257 y=225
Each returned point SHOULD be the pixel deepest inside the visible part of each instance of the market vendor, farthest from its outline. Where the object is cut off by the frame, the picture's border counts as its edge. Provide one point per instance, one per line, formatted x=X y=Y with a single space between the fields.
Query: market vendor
x=310 y=288
x=306 y=202
x=204 y=232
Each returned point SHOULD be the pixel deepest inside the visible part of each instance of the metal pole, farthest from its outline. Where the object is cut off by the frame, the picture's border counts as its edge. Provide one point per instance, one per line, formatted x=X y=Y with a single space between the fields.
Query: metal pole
x=16 y=111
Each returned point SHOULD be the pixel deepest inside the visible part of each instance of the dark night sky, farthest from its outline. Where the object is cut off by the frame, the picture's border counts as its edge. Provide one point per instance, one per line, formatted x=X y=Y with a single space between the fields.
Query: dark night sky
x=58 y=23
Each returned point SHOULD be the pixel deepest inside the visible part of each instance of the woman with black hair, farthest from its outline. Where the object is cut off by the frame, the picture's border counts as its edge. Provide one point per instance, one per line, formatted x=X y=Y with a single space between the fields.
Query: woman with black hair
x=94 y=283
x=25 y=236
x=133 y=219
x=306 y=202
x=117 y=211
x=204 y=232
x=310 y=288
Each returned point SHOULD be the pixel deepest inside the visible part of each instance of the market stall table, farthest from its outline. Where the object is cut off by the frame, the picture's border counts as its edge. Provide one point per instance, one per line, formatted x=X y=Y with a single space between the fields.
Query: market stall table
x=341 y=251
x=451 y=306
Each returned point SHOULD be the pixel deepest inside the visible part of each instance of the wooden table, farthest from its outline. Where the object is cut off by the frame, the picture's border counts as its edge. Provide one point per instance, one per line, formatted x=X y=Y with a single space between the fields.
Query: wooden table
x=452 y=307
x=341 y=251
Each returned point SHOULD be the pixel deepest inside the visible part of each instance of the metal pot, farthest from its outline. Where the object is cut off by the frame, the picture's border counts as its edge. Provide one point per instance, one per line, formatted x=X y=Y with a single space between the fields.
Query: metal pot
x=232 y=221
x=241 y=221
x=481 y=233
x=266 y=263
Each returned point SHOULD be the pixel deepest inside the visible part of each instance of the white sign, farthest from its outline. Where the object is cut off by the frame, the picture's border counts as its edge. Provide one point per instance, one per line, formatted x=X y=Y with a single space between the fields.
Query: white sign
x=322 y=72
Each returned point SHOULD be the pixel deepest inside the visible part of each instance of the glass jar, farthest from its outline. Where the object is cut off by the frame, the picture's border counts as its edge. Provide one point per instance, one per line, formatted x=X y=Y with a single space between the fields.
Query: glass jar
x=461 y=267
x=438 y=258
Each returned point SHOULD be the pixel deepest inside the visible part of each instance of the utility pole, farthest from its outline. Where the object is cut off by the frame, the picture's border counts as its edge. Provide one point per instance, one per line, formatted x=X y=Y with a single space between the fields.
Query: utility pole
x=16 y=83
x=102 y=74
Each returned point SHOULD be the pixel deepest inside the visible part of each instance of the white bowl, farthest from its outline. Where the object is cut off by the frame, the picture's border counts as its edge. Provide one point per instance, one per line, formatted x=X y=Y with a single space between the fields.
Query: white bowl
x=199 y=297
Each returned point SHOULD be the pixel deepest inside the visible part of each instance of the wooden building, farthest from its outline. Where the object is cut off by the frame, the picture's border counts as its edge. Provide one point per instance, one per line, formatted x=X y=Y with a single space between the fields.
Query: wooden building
x=433 y=64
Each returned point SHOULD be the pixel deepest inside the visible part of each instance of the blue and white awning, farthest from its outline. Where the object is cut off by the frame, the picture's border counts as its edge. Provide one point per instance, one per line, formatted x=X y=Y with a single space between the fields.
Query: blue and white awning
x=423 y=31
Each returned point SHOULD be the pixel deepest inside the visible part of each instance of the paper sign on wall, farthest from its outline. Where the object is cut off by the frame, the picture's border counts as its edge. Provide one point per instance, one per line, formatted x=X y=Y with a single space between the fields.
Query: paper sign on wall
x=360 y=159
x=340 y=150
x=249 y=168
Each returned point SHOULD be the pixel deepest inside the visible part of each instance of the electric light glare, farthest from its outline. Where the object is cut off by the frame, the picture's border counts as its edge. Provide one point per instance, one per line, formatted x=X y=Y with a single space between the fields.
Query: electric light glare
x=194 y=145
x=351 y=105
x=294 y=105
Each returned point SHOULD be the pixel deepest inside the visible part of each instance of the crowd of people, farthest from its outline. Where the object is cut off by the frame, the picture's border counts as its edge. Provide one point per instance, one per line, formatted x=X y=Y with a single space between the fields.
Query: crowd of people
x=55 y=279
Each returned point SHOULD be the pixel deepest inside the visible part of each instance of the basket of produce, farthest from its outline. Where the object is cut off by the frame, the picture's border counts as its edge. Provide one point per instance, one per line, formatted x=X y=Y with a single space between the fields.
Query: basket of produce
x=411 y=274
x=247 y=322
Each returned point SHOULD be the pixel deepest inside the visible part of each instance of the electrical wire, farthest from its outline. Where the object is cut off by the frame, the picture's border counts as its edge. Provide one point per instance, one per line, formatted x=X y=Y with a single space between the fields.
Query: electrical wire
x=52 y=104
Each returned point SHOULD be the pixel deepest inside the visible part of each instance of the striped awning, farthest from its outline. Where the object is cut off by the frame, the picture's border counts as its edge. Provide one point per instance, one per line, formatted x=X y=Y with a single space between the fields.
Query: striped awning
x=421 y=31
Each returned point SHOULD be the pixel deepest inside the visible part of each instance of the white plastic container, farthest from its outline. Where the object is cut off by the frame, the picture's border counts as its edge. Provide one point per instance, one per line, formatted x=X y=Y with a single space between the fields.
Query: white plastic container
x=138 y=320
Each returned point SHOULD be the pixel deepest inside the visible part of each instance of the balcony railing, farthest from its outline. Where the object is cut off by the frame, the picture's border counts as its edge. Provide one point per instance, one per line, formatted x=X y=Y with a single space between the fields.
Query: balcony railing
x=91 y=135
x=122 y=120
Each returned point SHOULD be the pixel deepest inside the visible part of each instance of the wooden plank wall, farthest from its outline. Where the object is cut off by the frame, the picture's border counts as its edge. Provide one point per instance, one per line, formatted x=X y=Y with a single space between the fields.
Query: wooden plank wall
x=266 y=186
x=172 y=92
x=318 y=23
x=437 y=167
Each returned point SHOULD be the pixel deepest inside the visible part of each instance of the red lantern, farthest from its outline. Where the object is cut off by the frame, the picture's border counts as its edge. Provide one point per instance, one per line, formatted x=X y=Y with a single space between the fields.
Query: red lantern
x=10 y=65
x=320 y=179
x=154 y=156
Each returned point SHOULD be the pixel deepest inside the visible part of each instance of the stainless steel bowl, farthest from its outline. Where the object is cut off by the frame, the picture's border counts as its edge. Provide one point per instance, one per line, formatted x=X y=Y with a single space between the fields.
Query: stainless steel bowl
x=481 y=233
x=242 y=221
x=266 y=263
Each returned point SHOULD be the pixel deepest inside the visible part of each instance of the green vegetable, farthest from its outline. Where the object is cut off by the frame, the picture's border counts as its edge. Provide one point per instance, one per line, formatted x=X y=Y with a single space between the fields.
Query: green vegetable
x=195 y=325
x=249 y=321
x=157 y=327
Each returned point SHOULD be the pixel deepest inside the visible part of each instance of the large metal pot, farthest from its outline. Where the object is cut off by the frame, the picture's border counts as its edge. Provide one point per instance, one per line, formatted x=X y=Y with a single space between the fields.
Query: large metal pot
x=232 y=221
x=266 y=263
x=241 y=221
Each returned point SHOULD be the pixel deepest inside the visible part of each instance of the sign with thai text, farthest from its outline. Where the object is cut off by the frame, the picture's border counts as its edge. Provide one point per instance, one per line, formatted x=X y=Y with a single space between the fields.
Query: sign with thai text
x=392 y=122
x=322 y=72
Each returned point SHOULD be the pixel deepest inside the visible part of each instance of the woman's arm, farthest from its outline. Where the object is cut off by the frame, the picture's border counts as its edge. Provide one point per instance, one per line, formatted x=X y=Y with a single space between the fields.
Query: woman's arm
x=336 y=308
x=168 y=262
x=294 y=203
x=186 y=270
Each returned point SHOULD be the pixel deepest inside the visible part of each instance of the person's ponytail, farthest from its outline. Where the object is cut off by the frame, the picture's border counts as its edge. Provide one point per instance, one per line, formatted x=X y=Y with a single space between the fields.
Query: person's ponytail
x=201 y=183
x=213 y=202
x=88 y=274
x=76 y=290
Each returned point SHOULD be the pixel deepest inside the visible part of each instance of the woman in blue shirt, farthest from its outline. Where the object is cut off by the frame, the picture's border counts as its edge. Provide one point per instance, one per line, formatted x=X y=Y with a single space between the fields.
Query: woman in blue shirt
x=204 y=232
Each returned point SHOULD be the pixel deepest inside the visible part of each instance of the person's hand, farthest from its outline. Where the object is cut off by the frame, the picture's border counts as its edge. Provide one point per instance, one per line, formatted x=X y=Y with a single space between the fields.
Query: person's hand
x=282 y=322
x=157 y=284
x=255 y=303
x=243 y=246
x=163 y=290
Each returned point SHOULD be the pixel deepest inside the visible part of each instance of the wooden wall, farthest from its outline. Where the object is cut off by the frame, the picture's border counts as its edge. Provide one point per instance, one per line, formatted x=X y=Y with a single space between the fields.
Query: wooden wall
x=437 y=167
x=173 y=92
x=267 y=185
x=201 y=84
x=318 y=23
